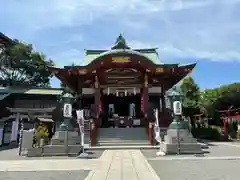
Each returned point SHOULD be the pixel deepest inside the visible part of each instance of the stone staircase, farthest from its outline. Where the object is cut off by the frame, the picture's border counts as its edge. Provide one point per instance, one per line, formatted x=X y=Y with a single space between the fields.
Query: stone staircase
x=125 y=137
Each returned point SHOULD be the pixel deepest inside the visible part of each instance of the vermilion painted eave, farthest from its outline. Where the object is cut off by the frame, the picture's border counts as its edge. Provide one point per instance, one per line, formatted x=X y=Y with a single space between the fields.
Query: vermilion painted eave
x=64 y=71
x=170 y=78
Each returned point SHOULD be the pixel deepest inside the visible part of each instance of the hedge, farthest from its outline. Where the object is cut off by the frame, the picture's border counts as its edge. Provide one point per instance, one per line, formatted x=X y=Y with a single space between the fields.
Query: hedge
x=210 y=133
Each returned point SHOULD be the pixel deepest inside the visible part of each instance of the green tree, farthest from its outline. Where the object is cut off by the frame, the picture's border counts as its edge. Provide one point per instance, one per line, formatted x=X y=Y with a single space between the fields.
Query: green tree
x=191 y=103
x=21 y=65
x=221 y=98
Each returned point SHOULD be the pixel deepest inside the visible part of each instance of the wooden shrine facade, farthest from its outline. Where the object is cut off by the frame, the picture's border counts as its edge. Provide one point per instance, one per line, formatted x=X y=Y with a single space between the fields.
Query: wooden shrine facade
x=122 y=68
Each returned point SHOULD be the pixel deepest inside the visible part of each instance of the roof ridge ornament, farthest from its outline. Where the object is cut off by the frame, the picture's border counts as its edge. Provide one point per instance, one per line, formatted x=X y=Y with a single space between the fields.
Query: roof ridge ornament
x=120 y=43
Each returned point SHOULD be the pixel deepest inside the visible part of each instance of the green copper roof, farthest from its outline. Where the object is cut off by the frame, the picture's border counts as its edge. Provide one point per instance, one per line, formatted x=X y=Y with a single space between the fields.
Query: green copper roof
x=151 y=54
x=121 y=45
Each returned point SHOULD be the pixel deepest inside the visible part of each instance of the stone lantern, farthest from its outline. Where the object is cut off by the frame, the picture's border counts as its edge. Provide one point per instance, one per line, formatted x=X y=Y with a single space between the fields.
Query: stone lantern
x=178 y=139
x=67 y=101
x=176 y=96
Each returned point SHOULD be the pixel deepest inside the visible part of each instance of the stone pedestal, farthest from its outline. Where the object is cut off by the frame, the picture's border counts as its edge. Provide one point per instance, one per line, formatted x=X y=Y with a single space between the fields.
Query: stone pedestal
x=188 y=145
x=60 y=136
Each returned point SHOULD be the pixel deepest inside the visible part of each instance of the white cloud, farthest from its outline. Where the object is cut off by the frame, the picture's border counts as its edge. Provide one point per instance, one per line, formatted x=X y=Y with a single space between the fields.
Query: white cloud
x=67 y=58
x=198 y=29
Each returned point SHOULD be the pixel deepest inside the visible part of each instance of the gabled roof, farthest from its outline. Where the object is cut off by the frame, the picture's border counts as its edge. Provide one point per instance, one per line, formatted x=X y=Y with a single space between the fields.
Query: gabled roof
x=120 y=44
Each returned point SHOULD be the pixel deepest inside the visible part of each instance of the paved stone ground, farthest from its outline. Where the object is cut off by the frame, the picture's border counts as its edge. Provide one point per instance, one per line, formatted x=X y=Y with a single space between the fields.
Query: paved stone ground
x=124 y=165
x=12 y=154
x=112 y=165
x=197 y=169
x=44 y=175
x=222 y=162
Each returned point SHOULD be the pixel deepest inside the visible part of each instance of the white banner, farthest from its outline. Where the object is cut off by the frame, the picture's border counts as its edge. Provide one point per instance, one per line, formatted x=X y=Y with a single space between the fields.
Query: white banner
x=80 y=117
x=1 y=136
x=80 y=121
x=67 y=110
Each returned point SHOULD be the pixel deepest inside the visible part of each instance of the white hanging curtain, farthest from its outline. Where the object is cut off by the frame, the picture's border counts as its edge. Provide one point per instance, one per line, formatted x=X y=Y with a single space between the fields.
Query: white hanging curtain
x=160 y=104
x=132 y=111
x=15 y=125
x=111 y=106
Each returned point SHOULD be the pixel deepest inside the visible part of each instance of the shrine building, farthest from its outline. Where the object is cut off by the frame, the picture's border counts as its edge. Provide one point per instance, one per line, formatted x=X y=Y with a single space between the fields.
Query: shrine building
x=123 y=83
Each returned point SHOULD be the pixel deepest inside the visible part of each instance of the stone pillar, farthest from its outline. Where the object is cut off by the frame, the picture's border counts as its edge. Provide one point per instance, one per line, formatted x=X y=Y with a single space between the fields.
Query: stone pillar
x=163 y=98
x=144 y=97
x=97 y=100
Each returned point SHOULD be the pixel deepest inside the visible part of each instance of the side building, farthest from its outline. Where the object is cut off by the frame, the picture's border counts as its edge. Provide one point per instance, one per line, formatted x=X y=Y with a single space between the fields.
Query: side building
x=27 y=102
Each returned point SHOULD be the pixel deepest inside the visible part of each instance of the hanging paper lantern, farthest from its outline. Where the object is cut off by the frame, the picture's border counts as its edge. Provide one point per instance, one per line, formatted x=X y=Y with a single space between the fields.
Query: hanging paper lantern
x=100 y=107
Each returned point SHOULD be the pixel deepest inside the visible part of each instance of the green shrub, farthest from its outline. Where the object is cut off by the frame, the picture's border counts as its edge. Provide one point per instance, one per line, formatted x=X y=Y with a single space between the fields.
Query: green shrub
x=238 y=133
x=210 y=133
x=41 y=131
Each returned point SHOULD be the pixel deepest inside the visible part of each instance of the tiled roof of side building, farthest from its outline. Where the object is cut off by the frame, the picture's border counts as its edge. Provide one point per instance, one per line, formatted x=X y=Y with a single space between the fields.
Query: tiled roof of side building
x=42 y=91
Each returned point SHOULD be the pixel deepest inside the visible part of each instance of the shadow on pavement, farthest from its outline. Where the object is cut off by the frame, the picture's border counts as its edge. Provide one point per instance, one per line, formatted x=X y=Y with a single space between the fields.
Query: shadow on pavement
x=7 y=147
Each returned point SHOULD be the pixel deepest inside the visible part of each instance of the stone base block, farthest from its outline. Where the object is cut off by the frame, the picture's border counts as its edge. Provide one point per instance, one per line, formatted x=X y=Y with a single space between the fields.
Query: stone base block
x=62 y=134
x=71 y=141
x=34 y=152
x=54 y=150
x=60 y=137
x=188 y=144
x=185 y=148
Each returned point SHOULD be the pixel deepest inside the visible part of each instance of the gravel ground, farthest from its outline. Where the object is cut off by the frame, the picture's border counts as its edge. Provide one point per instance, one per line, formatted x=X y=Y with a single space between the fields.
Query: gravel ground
x=44 y=175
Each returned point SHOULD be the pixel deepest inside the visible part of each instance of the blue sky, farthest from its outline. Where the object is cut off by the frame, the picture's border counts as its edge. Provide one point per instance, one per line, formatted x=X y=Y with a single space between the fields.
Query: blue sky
x=203 y=31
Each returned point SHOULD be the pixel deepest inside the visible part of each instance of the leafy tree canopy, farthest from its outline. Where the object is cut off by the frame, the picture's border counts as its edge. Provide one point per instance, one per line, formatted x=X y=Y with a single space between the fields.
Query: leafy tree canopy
x=21 y=65
x=222 y=98
x=191 y=92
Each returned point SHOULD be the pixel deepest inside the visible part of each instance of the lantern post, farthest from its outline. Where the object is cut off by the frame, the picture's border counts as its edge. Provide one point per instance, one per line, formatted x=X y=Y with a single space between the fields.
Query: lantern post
x=66 y=125
x=176 y=99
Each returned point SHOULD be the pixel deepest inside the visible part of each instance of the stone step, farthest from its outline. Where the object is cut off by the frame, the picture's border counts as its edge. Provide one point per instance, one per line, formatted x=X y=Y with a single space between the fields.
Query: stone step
x=121 y=130
x=122 y=147
x=122 y=141
x=123 y=137
x=123 y=133
x=122 y=144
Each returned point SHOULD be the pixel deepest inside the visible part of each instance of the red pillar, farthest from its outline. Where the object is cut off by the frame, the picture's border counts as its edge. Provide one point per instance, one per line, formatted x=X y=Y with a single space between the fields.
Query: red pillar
x=97 y=101
x=144 y=97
